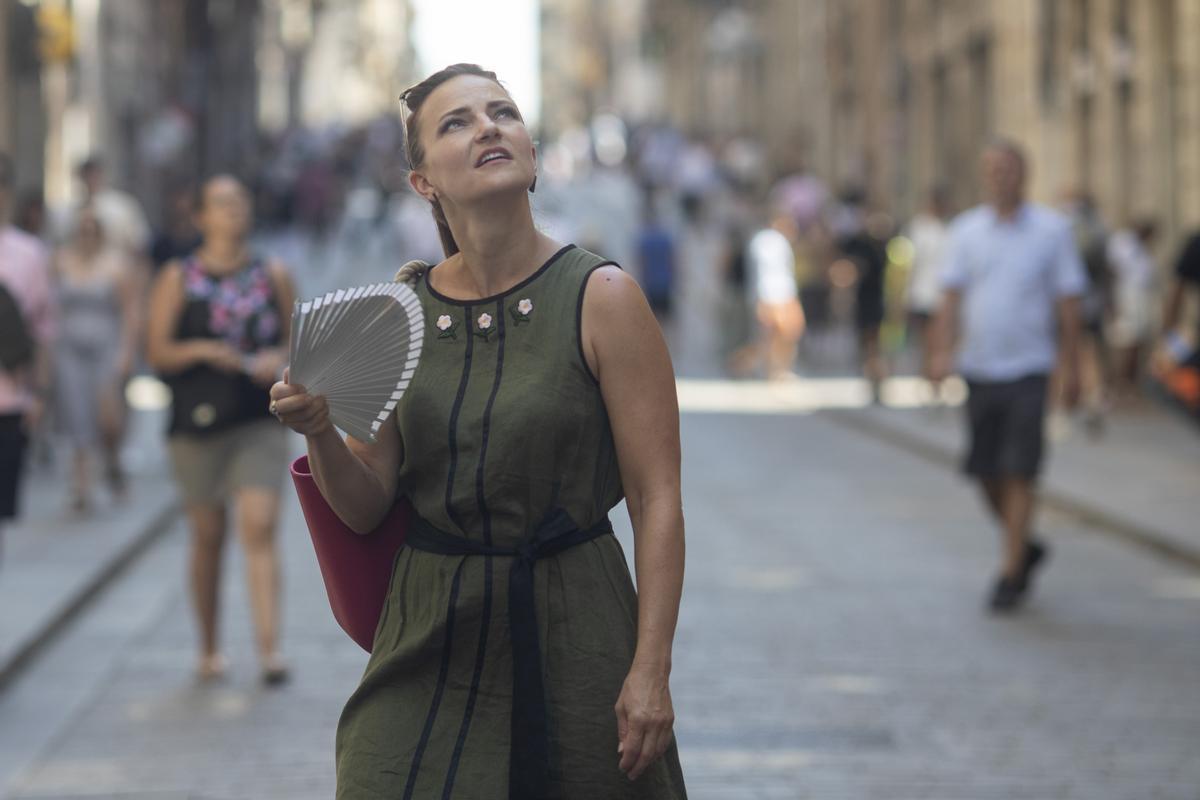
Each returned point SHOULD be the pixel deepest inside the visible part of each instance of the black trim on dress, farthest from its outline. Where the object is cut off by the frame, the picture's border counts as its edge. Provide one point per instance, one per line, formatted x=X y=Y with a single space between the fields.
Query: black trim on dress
x=483 y=300
x=579 y=316
x=485 y=515
x=443 y=673
x=454 y=412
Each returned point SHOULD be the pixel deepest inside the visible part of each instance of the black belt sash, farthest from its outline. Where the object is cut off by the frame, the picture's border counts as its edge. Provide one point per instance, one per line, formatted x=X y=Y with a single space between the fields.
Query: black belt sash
x=529 y=761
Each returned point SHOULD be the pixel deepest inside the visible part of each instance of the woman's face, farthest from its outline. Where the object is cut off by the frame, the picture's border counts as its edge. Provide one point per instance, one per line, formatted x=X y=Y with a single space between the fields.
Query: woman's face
x=88 y=232
x=476 y=144
x=225 y=212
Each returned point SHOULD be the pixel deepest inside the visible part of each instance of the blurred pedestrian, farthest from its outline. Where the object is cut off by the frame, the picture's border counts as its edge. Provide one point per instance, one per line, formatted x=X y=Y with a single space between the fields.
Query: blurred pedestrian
x=866 y=249
x=1012 y=273
x=735 y=303
x=218 y=332
x=927 y=231
x=801 y=194
x=696 y=179
x=1187 y=277
x=26 y=331
x=178 y=238
x=97 y=342
x=656 y=257
x=776 y=301
x=1177 y=357
x=1131 y=327
x=537 y=376
x=30 y=215
x=31 y=218
x=119 y=212
x=1096 y=305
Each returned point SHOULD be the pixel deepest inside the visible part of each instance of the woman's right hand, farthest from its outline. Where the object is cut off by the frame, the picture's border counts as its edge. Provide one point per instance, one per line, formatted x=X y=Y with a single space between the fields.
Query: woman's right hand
x=302 y=412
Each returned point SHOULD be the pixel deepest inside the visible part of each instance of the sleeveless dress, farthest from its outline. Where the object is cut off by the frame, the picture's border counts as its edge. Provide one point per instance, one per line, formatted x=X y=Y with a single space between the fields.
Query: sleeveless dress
x=241 y=310
x=88 y=348
x=503 y=424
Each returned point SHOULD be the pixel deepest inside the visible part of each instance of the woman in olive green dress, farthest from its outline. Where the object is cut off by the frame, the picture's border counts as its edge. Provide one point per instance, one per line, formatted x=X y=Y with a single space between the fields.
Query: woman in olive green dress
x=513 y=658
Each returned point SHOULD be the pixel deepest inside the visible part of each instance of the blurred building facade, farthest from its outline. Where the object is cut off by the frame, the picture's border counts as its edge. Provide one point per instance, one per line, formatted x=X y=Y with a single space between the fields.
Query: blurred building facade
x=172 y=90
x=160 y=89
x=596 y=57
x=1103 y=94
x=333 y=63
x=22 y=118
x=899 y=95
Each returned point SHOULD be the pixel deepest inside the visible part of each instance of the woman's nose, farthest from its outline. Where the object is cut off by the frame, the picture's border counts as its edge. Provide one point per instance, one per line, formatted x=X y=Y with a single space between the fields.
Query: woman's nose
x=487 y=127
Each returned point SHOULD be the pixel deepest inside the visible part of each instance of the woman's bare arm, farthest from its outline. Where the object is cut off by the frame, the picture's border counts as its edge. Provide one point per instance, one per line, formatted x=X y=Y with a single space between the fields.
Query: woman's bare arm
x=627 y=353
x=129 y=293
x=357 y=479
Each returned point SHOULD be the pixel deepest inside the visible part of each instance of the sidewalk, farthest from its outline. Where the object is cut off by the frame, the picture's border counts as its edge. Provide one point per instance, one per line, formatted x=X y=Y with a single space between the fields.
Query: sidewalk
x=53 y=562
x=1140 y=479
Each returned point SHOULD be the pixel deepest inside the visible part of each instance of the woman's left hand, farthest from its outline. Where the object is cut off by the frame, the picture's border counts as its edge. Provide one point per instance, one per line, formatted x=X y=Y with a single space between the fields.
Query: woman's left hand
x=645 y=717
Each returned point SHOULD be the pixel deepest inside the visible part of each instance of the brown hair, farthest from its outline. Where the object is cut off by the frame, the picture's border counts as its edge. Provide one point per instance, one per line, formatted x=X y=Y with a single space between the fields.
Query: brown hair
x=414 y=97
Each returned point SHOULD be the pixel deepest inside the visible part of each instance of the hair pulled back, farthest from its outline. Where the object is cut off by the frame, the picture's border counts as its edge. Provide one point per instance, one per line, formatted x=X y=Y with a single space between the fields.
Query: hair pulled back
x=415 y=97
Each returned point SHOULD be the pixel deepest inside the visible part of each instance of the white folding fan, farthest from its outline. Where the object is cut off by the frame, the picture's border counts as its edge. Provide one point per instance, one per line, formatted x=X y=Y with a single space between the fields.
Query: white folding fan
x=358 y=348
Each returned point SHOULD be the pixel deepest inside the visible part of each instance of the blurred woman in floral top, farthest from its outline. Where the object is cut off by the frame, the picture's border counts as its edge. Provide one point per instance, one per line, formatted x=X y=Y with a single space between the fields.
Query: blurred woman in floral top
x=218 y=333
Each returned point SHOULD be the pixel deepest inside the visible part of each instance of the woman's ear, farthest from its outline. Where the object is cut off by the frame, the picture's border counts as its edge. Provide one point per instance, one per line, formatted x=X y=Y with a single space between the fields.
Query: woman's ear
x=422 y=186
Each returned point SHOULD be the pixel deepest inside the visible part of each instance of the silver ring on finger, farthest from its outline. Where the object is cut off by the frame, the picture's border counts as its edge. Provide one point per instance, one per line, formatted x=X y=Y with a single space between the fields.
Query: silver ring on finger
x=274 y=409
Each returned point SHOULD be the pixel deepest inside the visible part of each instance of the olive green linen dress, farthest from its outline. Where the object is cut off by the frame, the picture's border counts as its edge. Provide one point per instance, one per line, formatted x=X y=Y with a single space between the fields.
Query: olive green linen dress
x=502 y=424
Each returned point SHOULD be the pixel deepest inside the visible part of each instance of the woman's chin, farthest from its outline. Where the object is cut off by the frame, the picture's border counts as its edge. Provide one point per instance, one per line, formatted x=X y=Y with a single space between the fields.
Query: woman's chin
x=499 y=189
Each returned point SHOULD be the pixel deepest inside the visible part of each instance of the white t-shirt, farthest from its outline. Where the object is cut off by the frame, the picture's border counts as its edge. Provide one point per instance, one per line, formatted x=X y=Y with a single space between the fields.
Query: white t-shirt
x=1132 y=265
x=774 y=264
x=120 y=216
x=928 y=235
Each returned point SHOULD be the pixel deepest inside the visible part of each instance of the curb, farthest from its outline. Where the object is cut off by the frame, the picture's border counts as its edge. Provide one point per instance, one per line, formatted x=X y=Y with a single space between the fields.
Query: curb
x=158 y=525
x=1149 y=539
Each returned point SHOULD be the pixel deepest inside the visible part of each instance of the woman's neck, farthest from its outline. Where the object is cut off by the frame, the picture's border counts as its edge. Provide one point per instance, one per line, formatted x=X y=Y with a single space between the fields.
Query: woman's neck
x=222 y=255
x=498 y=248
x=87 y=252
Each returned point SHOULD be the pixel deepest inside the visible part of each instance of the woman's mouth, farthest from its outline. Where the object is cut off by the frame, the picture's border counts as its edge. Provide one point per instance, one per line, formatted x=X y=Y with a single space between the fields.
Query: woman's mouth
x=493 y=154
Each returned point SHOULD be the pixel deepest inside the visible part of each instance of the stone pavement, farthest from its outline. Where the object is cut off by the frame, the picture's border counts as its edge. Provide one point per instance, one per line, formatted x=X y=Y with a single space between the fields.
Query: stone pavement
x=53 y=562
x=1140 y=478
x=831 y=645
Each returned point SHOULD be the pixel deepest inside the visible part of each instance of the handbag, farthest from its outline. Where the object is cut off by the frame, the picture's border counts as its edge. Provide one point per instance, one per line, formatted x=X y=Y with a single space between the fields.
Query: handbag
x=205 y=400
x=356 y=568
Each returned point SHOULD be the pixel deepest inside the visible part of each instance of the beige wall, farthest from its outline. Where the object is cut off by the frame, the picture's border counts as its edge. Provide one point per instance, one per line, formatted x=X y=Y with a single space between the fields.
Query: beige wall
x=1123 y=123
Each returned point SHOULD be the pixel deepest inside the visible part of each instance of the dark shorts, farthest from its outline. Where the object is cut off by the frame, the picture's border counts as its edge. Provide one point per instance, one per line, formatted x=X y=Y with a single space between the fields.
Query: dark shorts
x=1006 y=422
x=12 y=460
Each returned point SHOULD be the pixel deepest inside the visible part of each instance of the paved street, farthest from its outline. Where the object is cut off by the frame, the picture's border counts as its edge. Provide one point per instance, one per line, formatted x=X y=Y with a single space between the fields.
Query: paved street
x=832 y=645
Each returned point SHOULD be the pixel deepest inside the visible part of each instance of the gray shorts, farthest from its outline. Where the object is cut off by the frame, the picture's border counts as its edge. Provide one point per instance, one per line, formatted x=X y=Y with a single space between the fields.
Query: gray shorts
x=210 y=468
x=1006 y=420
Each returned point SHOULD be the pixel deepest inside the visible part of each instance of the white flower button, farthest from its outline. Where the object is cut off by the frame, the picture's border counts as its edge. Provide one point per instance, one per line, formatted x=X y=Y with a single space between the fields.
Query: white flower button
x=444 y=322
x=525 y=306
x=485 y=321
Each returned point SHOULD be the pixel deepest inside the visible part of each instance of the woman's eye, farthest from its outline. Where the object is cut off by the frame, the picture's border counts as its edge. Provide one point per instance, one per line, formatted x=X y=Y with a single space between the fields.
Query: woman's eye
x=451 y=124
x=507 y=111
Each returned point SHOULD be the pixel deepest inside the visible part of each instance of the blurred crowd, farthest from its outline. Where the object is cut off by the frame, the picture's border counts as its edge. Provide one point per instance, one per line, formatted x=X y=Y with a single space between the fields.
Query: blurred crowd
x=797 y=278
x=808 y=278
x=813 y=262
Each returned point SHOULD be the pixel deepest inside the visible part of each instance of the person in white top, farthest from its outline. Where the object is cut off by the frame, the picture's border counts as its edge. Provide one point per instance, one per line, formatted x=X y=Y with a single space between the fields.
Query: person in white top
x=1132 y=265
x=120 y=214
x=772 y=267
x=928 y=232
